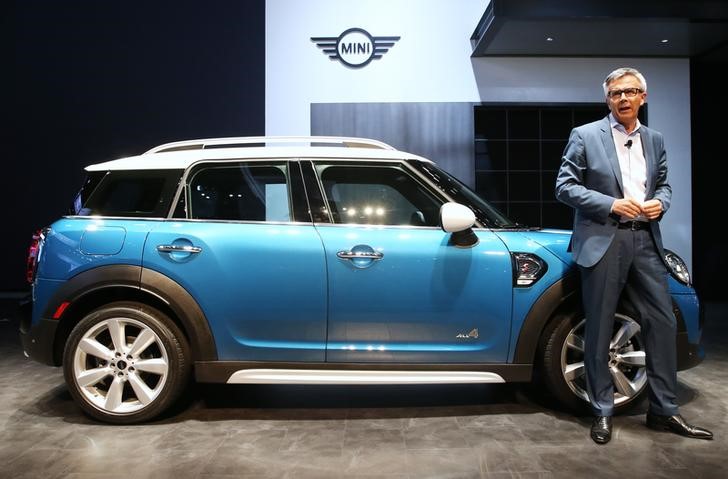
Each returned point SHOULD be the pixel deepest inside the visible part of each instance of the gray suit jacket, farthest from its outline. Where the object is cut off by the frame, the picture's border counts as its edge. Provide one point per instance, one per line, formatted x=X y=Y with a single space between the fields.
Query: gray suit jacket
x=590 y=179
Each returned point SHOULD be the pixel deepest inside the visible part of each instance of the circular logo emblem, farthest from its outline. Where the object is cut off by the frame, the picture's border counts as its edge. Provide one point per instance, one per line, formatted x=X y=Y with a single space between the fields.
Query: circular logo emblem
x=355 y=47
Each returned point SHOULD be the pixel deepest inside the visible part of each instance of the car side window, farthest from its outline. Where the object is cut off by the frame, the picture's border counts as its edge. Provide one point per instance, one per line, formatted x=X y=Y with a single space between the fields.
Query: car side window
x=128 y=193
x=377 y=194
x=240 y=192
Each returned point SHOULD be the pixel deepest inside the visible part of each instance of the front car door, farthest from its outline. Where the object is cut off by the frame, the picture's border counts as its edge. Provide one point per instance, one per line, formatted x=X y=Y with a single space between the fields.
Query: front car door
x=398 y=291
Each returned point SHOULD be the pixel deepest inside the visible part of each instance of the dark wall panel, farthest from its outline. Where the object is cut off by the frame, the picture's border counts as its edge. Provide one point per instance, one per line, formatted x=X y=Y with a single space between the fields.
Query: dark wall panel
x=709 y=173
x=88 y=81
x=442 y=132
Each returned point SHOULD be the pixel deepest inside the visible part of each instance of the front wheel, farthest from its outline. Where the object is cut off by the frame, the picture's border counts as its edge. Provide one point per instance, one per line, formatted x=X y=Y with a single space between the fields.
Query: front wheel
x=562 y=362
x=126 y=363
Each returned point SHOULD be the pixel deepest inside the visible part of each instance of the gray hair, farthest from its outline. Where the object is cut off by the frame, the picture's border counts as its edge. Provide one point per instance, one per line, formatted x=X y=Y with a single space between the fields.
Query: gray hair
x=619 y=73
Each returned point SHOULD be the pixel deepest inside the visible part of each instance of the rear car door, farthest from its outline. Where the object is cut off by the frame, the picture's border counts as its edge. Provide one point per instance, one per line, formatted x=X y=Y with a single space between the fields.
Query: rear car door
x=250 y=256
x=398 y=291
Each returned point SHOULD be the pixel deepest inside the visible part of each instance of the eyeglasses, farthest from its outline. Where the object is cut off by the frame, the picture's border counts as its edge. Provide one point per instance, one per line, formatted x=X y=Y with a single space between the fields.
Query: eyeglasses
x=628 y=92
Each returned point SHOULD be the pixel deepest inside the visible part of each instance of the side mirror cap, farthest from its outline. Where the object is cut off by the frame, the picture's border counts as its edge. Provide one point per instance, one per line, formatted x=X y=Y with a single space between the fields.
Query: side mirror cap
x=458 y=219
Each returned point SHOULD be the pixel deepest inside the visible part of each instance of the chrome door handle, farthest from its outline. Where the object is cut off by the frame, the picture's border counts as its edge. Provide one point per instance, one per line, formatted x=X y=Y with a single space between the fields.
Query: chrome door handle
x=375 y=255
x=174 y=248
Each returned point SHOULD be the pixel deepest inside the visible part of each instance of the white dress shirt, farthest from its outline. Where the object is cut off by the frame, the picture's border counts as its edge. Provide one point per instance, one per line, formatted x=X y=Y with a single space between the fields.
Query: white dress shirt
x=632 y=162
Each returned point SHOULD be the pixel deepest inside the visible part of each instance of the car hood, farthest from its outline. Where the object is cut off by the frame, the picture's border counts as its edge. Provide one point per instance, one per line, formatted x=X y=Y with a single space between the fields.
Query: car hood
x=554 y=240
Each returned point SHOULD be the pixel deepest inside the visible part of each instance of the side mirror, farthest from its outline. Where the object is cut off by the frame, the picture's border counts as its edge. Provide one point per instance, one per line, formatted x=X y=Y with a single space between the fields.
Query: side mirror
x=458 y=219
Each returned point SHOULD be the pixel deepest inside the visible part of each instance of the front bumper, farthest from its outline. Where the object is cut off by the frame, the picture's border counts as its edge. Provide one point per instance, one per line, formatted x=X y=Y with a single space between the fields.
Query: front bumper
x=690 y=316
x=688 y=354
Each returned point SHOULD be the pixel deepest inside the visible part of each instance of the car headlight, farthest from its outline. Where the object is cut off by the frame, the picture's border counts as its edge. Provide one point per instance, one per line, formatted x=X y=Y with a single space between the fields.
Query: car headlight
x=677 y=267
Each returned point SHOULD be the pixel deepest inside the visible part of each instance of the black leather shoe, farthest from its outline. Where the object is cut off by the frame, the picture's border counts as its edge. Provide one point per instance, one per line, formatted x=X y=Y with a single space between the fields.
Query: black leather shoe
x=677 y=425
x=601 y=429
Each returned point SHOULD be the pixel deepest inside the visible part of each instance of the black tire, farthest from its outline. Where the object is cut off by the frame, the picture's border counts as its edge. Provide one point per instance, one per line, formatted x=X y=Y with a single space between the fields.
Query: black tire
x=126 y=363
x=560 y=363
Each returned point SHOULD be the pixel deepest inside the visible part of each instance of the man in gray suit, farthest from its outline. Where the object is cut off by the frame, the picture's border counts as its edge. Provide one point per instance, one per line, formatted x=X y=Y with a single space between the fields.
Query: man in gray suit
x=614 y=174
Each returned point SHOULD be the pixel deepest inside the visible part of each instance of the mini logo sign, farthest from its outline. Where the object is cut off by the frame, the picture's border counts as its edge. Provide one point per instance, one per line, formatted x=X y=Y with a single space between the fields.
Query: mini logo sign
x=355 y=47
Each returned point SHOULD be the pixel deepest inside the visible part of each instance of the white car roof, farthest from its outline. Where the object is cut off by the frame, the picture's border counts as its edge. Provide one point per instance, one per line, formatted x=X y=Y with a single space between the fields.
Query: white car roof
x=182 y=154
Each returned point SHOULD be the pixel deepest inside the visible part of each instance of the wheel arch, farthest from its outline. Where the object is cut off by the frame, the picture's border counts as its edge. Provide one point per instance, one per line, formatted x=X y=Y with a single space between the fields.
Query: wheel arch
x=564 y=295
x=94 y=288
x=558 y=296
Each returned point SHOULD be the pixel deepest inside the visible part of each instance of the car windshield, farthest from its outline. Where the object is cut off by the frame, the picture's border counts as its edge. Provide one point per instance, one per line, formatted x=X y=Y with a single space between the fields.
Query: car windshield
x=487 y=214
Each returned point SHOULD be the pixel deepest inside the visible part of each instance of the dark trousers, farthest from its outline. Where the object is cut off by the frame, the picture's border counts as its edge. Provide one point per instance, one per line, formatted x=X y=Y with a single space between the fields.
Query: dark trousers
x=631 y=265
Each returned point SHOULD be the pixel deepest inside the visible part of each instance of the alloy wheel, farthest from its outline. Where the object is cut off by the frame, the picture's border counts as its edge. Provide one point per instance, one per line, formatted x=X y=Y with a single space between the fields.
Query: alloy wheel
x=627 y=360
x=120 y=365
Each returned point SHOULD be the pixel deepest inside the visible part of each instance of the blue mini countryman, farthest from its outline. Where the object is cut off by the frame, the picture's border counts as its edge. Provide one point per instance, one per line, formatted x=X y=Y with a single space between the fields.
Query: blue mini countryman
x=309 y=260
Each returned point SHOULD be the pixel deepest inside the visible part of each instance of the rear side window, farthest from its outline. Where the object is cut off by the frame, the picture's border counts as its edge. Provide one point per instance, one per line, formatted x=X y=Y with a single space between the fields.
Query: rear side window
x=141 y=193
x=92 y=181
x=241 y=192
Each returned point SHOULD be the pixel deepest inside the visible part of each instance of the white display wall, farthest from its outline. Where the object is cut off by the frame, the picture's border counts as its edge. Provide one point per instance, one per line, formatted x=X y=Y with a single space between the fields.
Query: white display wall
x=431 y=63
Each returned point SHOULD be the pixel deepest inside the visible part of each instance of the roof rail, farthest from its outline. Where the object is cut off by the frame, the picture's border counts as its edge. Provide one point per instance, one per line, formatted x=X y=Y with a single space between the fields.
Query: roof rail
x=229 y=142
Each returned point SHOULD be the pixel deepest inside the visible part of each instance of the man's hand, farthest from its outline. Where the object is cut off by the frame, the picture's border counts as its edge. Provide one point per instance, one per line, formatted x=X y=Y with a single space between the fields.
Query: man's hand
x=629 y=207
x=652 y=209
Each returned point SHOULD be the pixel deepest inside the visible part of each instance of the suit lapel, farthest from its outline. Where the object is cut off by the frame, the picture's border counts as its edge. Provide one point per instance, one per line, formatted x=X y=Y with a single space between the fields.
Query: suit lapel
x=650 y=158
x=611 y=150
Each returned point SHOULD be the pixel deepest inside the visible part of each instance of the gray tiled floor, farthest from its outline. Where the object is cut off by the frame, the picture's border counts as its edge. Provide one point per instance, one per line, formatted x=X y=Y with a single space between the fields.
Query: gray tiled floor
x=354 y=432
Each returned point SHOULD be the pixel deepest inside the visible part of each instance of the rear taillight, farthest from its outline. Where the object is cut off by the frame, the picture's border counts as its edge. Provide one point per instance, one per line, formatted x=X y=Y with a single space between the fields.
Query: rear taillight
x=33 y=253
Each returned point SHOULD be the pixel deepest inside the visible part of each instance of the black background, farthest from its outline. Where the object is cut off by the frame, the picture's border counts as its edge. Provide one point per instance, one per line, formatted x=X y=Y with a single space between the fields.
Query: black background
x=89 y=81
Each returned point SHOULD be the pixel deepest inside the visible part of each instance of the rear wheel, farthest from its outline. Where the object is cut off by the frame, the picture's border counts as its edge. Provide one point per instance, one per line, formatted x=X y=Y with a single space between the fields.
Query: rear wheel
x=562 y=362
x=126 y=363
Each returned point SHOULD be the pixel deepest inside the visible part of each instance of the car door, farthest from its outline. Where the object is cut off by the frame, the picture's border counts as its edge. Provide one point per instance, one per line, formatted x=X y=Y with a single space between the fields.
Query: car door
x=257 y=273
x=398 y=290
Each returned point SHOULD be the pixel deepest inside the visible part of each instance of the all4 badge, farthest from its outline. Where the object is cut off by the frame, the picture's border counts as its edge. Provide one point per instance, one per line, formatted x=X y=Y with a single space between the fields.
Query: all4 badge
x=355 y=47
x=473 y=334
